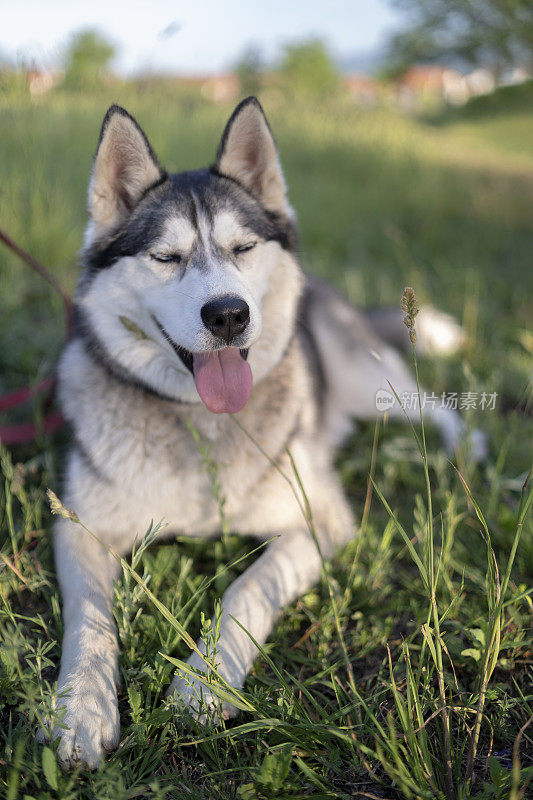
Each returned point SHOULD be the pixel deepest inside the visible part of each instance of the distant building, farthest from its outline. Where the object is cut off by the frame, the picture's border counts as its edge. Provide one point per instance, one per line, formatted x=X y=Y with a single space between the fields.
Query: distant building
x=431 y=81
x=480 y=81
x=422 y=82
x=362 y=88
x=41 y=81
x=218 y=88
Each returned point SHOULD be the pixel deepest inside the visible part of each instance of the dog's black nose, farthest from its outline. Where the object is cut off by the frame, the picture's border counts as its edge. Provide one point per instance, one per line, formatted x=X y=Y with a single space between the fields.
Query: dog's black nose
x=226 y=316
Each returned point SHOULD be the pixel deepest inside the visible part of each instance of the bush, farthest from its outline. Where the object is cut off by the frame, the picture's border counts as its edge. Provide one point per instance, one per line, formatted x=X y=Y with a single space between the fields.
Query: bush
x=87 y=59
x=308 y=68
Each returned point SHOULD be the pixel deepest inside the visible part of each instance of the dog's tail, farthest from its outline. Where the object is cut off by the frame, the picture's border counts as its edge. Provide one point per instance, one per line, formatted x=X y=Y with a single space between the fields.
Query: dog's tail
x=438 y=333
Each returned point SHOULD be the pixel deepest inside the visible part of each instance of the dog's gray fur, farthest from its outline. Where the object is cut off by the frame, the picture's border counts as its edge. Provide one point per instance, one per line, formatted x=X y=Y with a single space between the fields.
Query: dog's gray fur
x=132 y=403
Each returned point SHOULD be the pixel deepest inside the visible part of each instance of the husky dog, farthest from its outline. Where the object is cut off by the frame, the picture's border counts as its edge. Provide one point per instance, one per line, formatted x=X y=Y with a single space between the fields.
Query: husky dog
x=191 y=308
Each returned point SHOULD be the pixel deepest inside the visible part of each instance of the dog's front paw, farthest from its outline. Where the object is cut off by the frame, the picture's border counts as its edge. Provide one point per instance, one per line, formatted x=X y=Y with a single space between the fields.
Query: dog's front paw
x=90 y=726
x=199 y=700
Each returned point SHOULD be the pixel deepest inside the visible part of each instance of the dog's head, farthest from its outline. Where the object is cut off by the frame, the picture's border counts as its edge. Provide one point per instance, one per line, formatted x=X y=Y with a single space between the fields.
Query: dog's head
x=191 y=280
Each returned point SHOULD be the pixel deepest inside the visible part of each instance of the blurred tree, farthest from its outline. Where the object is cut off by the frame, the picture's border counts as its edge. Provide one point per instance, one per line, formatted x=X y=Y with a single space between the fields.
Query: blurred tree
x=308 y=67
x=249 y=69
x=496 y=34
x=87 y=59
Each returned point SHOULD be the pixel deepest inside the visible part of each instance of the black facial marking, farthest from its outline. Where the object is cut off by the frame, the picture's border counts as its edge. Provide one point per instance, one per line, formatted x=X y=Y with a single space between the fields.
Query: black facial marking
x=182 y=195
x=138 y=233
x=252 y=214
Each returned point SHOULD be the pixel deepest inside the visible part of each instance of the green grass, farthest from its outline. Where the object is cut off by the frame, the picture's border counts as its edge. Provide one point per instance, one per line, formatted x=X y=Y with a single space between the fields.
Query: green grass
x=501 y=119
x=348 y=693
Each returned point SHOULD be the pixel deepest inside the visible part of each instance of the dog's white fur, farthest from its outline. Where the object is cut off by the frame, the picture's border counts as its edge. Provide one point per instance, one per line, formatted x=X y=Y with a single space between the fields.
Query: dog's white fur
x=135 y=458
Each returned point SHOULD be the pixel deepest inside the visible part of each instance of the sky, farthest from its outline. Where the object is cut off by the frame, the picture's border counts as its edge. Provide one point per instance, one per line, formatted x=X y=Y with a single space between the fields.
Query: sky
x=197 y=36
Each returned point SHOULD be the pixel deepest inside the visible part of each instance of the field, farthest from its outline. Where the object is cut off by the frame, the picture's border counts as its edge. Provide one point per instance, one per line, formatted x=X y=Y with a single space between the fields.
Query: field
x=416 y=647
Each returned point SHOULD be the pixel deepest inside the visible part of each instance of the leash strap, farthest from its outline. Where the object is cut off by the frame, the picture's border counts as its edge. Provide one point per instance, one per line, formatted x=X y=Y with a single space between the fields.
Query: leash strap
x=26 y=432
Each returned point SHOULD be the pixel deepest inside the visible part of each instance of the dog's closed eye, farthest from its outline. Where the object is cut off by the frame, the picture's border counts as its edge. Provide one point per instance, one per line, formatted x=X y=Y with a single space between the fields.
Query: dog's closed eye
x=244 y=248
x=166 y=258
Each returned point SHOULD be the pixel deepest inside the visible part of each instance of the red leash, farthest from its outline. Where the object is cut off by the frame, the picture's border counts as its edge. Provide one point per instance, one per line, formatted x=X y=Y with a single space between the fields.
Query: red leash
x=25 y=432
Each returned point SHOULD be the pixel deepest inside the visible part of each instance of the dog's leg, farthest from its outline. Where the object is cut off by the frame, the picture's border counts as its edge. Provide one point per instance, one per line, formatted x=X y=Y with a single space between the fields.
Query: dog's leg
x=290 y=565
x=86 y=687
x=358 y=364
x=366 y=393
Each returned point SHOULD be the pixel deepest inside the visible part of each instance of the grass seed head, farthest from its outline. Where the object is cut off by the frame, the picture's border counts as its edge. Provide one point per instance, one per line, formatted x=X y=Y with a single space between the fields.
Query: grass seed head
x=57 y=507
x=410 y=308
x=132 y=327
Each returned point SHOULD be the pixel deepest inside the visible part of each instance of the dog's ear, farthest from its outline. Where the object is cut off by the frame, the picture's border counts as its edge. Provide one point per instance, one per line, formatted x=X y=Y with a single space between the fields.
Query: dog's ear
x=124 y=168
x=248 y=154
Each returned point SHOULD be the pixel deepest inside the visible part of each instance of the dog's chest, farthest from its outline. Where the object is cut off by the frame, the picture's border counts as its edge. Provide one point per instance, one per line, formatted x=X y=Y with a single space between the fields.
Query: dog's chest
x=165 y=467
x=174 y=461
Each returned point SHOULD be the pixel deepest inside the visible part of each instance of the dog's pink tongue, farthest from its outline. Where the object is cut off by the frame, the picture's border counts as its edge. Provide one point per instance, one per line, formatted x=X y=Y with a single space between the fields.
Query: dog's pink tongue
x=223 y=379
